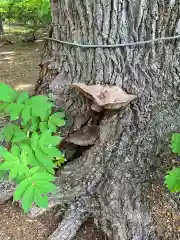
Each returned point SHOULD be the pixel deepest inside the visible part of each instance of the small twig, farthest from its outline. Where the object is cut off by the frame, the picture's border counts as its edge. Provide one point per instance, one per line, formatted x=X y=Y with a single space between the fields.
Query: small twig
x=113 y=45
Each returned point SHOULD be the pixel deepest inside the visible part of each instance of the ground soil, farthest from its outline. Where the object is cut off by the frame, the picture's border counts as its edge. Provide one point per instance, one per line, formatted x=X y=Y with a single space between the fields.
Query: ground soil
x=19 y=64
x=19 y=68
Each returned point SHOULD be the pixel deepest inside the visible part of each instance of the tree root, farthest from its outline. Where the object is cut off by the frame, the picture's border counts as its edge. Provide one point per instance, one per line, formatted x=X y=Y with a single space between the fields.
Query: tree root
x=35 y=212
x=6 y=191
x=71 y=223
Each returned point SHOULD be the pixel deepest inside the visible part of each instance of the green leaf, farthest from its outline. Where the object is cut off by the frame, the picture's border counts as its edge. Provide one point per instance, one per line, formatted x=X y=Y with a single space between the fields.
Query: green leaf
x=28 y=198
x=44 y=176
x=12 y=163
x=45 y=187
x=13 y=173
x=49 y=166
x=52 y=127
x=47 y=112
x=51 y=151
x=3 y=106
x=41 y=201
x=55 y=140
x=34 y=140
x=22 y=169
x=60 y=160
x=43 y=126
x=26 y=114
x=24 y=157
x=47 y=140
x=41 y=156
x=8 y=132
x=59 y=115
x=41 y=107
x=45 y=160
x=7 y=94
x=20 y=178
x=31 y=159
x=175 y=143
x=22 y=97
x=3 y=150
x=15 y=150
x=34 y=123
x=19 y=136
x=26 y=127
x=6 y=165
x=34 y=170
x=3 y=175
x=15 y=110
x=57 y=119
x=7 y=155
x=21 y=189
x=172 y=180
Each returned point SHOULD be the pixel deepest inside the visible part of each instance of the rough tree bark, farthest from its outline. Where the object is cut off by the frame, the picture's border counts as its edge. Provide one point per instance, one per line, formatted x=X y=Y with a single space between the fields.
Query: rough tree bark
x=1 y=26
x=108 y=180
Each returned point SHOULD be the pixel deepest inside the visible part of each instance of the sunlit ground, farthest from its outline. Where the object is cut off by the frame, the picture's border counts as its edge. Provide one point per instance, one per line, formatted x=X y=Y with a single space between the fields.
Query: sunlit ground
x=19 y=65
x=14 y=28
x=19 y=61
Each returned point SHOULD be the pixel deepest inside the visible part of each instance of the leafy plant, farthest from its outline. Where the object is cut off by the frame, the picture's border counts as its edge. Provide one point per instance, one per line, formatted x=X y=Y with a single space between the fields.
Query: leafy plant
x=31 y=152
x=172 y=179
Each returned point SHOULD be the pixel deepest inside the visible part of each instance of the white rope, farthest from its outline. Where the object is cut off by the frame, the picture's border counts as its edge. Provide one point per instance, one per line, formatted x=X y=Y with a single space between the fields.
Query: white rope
x=113 y=45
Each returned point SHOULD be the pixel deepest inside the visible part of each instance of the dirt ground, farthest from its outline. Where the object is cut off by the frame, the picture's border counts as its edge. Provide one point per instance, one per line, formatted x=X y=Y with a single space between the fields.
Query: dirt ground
x=19 y=64
x=19 y=68
x=15 y=225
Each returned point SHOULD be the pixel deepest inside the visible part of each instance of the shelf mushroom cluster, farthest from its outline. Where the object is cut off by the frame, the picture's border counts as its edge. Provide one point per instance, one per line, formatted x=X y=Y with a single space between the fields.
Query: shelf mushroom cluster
x=104 y=97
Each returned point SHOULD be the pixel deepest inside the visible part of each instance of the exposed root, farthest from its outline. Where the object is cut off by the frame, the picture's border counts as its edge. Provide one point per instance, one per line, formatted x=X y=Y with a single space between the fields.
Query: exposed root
x=71 y=223
x=6 y=190
x=59 y=200
x=37 y=212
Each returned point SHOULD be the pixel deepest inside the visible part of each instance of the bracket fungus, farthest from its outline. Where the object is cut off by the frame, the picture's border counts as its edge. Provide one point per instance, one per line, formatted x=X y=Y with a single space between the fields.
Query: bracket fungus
x=104 y=97
x=86 y=136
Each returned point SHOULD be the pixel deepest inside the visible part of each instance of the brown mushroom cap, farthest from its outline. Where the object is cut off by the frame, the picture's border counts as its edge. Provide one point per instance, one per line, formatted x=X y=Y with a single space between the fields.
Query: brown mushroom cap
x=108 y=97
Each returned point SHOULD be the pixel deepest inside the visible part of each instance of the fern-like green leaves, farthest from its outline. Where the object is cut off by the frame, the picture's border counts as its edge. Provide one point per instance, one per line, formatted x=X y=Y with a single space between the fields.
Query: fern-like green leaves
x=172 y=179
x=35 y=189
x=33 y=151
x=7 y=93
x=16 y=166
x=175 y=143
x=41 y=107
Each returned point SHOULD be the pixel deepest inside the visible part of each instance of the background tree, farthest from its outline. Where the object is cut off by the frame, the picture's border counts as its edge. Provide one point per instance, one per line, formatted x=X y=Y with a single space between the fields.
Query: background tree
x=2 y=10
x=110 y=178
x=1 y=25
x=33 y=14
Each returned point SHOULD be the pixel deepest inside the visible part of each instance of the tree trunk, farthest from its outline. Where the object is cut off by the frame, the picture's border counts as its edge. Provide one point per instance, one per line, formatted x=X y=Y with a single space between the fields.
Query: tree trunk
x=1 y=26
x=109 y=179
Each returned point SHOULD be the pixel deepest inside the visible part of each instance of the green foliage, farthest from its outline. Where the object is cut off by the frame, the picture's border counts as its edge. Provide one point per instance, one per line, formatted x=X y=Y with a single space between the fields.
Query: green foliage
x=31 y=153
x=172 y=179
x=32 y=13
x=175 y=143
